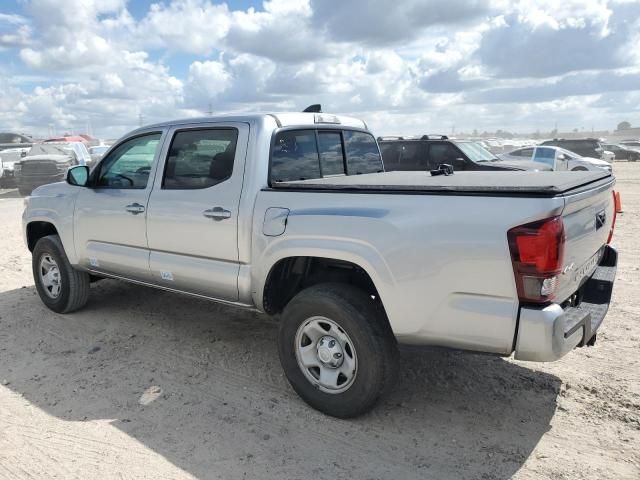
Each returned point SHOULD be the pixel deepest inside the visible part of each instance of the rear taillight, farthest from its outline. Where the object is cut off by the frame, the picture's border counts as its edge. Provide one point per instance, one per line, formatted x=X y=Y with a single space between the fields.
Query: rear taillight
x=537 y=251
x=616 y=207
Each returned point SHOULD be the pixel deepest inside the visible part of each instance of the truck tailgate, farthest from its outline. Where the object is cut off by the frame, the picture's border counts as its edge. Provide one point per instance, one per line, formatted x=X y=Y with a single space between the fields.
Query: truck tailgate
x=588 y=218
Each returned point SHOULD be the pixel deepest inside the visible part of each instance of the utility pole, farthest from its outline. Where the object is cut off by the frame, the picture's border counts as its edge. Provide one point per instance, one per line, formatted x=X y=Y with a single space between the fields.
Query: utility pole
x=140 y=119
x=210 y=111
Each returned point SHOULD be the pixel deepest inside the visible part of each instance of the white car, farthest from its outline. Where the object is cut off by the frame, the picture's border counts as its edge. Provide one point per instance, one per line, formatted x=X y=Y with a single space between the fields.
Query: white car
x=8 y=159
x=555 y=158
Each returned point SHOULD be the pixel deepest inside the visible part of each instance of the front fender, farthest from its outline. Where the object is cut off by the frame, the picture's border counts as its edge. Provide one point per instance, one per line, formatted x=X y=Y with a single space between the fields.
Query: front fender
x=52 y=204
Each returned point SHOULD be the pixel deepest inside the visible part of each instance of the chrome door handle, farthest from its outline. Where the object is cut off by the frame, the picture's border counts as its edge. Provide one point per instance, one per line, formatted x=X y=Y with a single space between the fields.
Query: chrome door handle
x=134 y=208
x=217 y=213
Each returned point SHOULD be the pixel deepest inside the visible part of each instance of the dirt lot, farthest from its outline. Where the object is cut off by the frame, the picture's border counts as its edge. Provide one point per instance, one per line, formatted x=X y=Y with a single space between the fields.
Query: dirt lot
x=149 y=384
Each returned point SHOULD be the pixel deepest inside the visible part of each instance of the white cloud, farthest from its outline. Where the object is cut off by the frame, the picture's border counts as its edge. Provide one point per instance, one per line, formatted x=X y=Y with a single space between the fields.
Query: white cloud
x=419 y=66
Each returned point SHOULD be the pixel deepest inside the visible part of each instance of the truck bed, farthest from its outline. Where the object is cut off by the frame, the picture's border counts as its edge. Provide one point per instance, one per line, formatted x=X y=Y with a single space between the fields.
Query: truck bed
x=545 y=184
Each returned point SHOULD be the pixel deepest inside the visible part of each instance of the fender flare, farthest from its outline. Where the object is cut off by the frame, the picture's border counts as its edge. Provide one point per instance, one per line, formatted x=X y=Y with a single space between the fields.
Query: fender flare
x=359 y=253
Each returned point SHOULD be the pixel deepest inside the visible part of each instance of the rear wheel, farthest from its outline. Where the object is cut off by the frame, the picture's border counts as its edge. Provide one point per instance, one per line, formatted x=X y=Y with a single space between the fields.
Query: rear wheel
x=25 y=192
x=337 y=349
x=579 y=169
x=61 y=287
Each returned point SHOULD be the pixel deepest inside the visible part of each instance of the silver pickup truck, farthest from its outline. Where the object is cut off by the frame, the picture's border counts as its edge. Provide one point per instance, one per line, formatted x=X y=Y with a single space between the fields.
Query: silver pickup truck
x=292 y=214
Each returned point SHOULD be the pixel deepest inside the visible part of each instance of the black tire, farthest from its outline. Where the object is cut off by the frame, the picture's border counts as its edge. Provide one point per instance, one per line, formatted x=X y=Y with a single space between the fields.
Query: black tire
x=579 y=169
x=25 y=192
x=74 y=284
x=366 y=325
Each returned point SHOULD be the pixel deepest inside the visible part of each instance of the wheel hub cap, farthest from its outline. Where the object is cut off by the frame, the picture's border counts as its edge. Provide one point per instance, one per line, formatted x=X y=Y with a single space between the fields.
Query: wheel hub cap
x=326 y=355
x=330 y=352
x=50 y=276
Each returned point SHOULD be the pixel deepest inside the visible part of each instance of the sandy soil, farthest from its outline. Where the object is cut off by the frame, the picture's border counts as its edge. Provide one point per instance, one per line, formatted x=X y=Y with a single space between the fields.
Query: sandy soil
x=148 y=384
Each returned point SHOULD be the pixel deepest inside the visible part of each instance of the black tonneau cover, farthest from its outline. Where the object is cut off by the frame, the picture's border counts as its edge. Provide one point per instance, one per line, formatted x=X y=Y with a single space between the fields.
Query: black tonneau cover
x=546 y=184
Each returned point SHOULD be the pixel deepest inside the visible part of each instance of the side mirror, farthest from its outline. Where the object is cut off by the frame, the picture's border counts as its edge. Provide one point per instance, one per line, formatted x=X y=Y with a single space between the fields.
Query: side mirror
x=78 y=176
x=459 y=163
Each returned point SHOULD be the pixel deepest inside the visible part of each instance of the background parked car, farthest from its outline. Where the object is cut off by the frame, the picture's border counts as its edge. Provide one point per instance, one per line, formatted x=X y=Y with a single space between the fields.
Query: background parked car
x=428 y=152
x=8 y=158
x=584 y=147
x=635 y=144
x=623 y=152
x=554 y=158
x=48 y=163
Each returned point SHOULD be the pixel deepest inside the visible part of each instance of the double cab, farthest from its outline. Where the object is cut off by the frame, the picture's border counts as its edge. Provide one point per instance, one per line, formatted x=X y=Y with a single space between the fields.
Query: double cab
x=293 y=214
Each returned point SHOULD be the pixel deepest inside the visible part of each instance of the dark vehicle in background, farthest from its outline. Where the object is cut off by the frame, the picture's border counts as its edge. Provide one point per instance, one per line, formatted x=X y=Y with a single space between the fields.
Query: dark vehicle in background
x=623 y=152
x=585 y=147
x=428 y=152
x=48 y=163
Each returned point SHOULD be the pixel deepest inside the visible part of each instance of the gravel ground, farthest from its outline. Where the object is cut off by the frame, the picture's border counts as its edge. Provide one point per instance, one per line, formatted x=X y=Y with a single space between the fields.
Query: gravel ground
x=148 y=384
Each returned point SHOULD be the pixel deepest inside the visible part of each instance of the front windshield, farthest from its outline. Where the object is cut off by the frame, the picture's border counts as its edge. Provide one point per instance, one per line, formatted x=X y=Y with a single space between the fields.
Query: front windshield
x=475 y=152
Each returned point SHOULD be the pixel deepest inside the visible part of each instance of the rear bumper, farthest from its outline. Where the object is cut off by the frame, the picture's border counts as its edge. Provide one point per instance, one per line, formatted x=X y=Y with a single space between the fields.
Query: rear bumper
x=547 y=333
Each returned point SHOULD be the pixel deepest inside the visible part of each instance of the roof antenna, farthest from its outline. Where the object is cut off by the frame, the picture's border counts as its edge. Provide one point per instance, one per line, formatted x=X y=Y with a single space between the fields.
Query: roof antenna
x=315 y=108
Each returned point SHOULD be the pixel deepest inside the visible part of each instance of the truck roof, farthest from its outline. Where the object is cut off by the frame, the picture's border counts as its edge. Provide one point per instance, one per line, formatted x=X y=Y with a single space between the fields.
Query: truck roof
x=522 y=183
x=282 y=119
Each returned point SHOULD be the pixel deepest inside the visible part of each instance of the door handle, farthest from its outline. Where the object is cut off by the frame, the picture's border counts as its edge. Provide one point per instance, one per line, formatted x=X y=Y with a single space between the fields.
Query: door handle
x=134 y=208
x=217 y=213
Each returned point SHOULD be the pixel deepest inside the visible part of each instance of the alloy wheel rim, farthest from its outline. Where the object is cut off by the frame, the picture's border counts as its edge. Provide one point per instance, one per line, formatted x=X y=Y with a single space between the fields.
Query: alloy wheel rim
x=326 y=355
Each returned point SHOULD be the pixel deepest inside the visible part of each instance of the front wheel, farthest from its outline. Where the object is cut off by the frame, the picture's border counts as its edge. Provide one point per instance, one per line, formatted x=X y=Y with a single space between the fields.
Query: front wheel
x=61 y=287
x=337 y=349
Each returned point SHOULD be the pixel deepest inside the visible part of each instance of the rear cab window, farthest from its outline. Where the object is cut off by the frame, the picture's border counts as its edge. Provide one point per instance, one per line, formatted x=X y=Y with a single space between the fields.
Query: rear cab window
x=308 y=154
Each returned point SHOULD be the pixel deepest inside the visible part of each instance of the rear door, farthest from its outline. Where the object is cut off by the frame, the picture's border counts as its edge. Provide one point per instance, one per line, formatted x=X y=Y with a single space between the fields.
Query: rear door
x=192 y=221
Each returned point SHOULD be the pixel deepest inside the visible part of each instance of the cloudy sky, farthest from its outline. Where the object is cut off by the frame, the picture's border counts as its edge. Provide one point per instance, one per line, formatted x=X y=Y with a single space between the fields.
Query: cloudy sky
x=405 y=66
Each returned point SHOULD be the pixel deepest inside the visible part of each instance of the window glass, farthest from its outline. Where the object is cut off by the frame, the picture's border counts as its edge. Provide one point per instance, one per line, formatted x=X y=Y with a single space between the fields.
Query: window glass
x=129 y=165
x=331 y=156
x=474 y=151
x=391 y=155
x=295 y=156
x=413 y=157
x=545 y=155
x=200 y=158
x=363 y=155
x=526 y=153
x=440 y=153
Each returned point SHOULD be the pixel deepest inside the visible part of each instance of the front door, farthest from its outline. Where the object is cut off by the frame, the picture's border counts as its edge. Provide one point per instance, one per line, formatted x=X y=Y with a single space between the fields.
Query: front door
x=110 y=228
x=192 y=221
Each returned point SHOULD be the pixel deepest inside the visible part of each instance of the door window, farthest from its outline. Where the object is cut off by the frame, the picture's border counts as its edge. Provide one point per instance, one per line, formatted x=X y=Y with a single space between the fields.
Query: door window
x=129 y=165
x=440 y=153
x=545 y=155
x=200 y=158
x=523 y=152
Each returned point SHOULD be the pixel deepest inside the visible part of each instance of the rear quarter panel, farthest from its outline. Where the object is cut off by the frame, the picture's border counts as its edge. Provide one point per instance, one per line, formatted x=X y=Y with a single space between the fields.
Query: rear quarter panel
x=441 y=263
